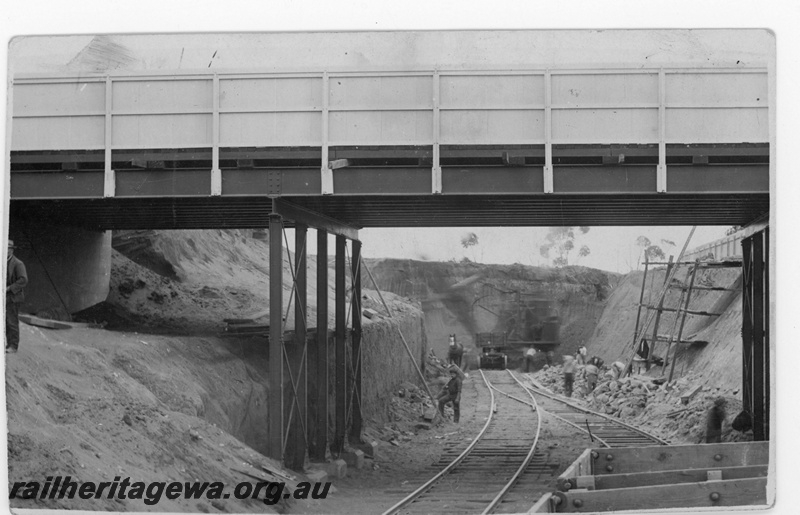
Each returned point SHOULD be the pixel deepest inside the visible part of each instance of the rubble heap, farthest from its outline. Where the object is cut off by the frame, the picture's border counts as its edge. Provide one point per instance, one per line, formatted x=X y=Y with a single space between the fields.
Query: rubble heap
x=410 y=410
x=675 y=411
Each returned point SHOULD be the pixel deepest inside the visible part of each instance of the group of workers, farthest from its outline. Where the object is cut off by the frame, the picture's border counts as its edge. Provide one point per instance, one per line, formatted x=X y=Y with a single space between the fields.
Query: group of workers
x=590 y=368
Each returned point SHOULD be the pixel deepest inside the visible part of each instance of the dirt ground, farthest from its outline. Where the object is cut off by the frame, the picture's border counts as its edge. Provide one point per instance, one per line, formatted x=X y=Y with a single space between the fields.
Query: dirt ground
x=94 y=404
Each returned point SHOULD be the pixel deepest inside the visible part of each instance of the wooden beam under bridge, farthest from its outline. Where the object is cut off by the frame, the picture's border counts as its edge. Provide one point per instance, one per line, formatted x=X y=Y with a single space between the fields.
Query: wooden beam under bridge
x=302 y=215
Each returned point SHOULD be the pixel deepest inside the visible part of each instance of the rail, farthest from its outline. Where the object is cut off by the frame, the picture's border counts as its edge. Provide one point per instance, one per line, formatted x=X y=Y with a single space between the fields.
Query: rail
x=581 y=409
x=419 y=491
x=528 y=458
x=482 y=460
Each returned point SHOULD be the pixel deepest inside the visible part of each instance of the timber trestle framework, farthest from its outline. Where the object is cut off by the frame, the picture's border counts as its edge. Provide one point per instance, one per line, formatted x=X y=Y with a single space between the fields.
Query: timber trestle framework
x=299 y=364
x=644 y=345
x=756 y=320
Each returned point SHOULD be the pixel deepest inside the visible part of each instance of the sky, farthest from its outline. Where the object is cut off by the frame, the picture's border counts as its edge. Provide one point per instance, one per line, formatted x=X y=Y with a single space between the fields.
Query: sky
x=611 y=248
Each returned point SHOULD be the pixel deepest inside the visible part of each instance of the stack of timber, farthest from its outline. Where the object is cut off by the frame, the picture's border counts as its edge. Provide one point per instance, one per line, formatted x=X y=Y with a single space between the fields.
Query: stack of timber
x=244 y=327
x=658 y=477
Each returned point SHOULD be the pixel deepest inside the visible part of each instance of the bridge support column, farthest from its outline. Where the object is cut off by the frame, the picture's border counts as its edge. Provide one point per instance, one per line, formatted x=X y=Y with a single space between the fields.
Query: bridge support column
x=340 y=349
x=318 y=361
x=355 y=399
x=755 y=332
x=275 y=422
x=296 y=400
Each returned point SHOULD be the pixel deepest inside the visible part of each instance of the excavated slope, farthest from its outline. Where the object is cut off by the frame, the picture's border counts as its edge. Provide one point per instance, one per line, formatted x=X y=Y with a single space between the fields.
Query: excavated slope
x=450 y=293
x=716 y=355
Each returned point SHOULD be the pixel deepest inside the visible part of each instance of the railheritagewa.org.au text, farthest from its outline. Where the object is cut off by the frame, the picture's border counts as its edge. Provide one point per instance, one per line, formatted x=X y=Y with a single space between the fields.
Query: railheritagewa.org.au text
x=152 y=493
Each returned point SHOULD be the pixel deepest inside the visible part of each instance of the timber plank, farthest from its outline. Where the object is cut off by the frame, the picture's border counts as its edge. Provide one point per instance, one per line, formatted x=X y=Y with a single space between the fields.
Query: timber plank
x=542 y=505
x=737 y=492
x=50 y=324
x=675 y=476
x=679 y=457
x=686 y=397
x=580 y=467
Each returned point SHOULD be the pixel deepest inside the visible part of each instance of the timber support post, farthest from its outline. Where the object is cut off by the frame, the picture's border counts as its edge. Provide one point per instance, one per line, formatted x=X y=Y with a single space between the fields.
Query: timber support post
x=296 y=405
x=337 y=445
x=275 y=423
x=755 y=332
x=318 y=360
x=355 y=433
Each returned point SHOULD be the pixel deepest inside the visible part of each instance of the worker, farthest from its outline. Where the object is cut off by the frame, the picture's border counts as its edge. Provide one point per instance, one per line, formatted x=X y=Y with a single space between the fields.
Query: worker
x=714 y=419
x=530 y=353
x=581 y=355
x=16 y=280
x=590 y=374
x=596 y=362
x=455 y=352
x=616 y=369
x=569 y=374
x=451 y=393
x=469 y=360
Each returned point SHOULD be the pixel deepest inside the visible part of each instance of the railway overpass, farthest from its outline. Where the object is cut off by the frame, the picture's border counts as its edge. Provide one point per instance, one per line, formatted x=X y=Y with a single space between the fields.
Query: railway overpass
x=339 y=148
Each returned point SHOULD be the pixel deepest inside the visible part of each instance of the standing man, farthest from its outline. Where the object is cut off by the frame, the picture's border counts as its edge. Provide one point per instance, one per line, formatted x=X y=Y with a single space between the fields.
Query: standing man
x=529 y=354
x=581 y=355
x=455 y=352
x=714 y=420
x=451 y=393
x=590 y=373
x=16 y=279
x=569 y=375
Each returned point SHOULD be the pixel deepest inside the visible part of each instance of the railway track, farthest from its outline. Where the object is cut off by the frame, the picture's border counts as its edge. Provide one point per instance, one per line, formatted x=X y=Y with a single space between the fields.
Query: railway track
x=606 y=430
x=488 y=474
x=500 y=470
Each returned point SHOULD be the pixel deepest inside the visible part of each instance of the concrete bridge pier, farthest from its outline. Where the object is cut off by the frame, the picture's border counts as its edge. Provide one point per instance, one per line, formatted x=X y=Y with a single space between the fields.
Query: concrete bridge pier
x=69 y=268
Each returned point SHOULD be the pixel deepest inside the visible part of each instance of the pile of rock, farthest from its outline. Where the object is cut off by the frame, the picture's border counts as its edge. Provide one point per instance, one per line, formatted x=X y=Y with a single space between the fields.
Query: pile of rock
x=674 y=411
x=626 y=397
x=552 y=378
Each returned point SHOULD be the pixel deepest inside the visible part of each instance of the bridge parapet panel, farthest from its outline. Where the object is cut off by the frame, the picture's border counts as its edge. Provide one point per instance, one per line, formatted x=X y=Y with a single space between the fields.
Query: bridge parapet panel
x=522 y=127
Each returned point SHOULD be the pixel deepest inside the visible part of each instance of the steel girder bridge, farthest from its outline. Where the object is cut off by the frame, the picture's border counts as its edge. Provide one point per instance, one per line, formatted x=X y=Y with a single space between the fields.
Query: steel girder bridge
x=340 y=151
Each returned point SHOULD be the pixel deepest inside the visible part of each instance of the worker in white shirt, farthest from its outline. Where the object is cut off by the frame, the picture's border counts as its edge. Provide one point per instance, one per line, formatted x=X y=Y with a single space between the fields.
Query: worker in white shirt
x=529 y=355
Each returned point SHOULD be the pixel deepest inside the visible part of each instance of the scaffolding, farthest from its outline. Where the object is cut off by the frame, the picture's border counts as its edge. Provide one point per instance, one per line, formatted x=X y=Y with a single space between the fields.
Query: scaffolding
x=644 y=346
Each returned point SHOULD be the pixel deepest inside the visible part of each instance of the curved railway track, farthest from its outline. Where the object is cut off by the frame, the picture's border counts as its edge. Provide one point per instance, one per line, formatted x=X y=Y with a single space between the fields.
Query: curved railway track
x=607 y=431
x=497 y=471
x=484 y=476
